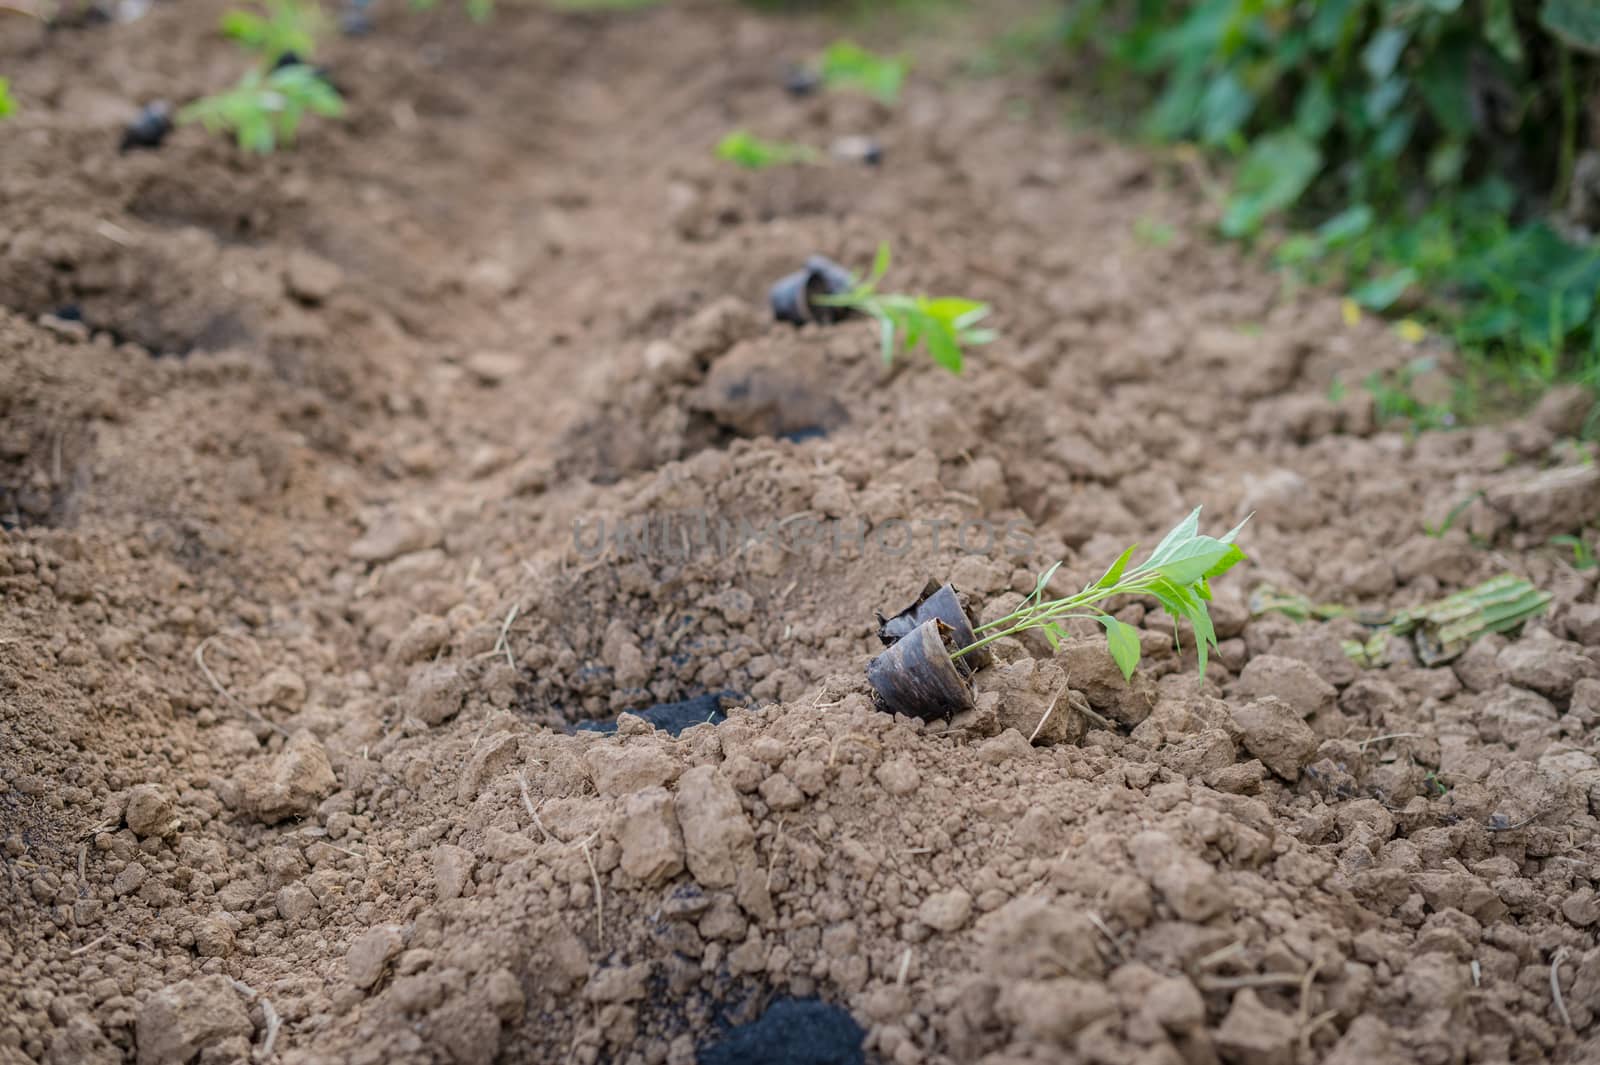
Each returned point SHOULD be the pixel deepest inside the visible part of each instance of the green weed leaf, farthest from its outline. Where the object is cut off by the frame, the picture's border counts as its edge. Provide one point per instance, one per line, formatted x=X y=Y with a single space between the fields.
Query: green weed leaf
x=846 y=65
x=1123 y=640
x=1274 y=174
x=753 y=153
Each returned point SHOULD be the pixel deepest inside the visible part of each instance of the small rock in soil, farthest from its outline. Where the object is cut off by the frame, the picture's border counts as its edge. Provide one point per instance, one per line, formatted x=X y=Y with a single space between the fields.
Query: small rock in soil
x=630 y=767
x=493 y=367
x=394 y=535
x=1290 y=680
x=717 y=836
x=791 y=1032
x=651 y=841
x=311 y=279
x=370 y=955
x=1272 y=731
x=1546 y=665
x=1252 y=1034
x=1096 y=675
x=946 y=911
x=150 y=812
x=434 y=693
x=1004 y=747
x=289 y=784
x=898 y=776
x=1185 y=880
x=180 y=1021
x=452 y=868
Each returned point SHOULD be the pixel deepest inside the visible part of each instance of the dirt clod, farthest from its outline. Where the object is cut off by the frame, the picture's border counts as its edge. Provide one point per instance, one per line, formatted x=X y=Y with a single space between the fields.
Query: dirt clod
x=182 y=1021
x=289 y=783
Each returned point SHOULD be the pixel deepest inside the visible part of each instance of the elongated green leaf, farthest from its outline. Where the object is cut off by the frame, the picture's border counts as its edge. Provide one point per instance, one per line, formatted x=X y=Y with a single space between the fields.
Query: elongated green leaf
x=1184 y=530
x=1381 y=292
x=1234 y=532
x=1276 y=171
x=1114 y=574
x=1123 y=640
x=1233 y=557
x=951 y=308
x=880 y=263
x=943 y=347
x=1194 y=559
x=1044 y=579
x=1500 y=30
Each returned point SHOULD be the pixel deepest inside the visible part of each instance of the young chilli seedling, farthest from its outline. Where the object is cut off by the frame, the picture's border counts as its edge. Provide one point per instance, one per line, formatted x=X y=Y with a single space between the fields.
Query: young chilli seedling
x=289 y=28
x=846 y=65
x=7 y=104
x=753 y=153
x=1177 y=573
x=264 y=110
x=946 y=325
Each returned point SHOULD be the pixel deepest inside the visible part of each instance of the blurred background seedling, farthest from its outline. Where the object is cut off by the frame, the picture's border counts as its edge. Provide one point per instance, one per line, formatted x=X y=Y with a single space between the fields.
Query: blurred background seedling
x=264 y=111
x=945 y=325
x=846 y=65
x=288 y=28
x=753 y=153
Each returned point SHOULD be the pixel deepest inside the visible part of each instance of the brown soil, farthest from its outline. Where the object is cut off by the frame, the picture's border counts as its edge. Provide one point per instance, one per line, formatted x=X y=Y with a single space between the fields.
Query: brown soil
x=294 y=617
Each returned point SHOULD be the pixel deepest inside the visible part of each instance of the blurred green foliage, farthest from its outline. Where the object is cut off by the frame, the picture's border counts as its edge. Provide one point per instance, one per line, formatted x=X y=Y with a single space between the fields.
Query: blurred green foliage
x=1415 y=150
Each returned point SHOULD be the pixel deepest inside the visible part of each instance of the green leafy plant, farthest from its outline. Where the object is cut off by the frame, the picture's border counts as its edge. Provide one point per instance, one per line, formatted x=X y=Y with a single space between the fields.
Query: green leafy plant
x=1438 y=531
x=1413 y=146
x=753 y=153
x=945 y=325
x=1395 y=397
x=288 y=27
x=1583 y=554
x=265 y=110
x=1153 y=232
x=1177 y=573
x=846 y=65
x=8 y=106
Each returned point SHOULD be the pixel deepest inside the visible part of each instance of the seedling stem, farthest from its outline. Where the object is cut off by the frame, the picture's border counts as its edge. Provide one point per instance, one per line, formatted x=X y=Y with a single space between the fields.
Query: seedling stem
x=1178 y=573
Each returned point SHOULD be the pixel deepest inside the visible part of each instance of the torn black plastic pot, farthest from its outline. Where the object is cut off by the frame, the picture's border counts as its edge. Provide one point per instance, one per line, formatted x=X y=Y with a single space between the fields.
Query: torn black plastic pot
x=149 y=128
x=801 y=81
x=791 y=297
x=673 y=718
x=943 y=603
x=917 y=677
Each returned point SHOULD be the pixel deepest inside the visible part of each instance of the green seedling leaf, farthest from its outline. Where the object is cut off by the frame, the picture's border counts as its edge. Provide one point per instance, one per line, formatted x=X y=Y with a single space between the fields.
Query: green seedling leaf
x=1176 y=575
x=945 y=325
x=288 y=27
x=846 y=65
x=753 y=153
x=1123 y=640
x=880 y=264
x=264 y=111
x=1274 y=174
x=1114 y=574
x=1184 y=531
x=8 y=106
x=1381 y=292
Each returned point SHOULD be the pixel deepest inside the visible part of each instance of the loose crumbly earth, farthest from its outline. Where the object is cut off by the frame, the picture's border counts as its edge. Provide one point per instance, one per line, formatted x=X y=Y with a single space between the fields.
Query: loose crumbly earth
x=295 y=620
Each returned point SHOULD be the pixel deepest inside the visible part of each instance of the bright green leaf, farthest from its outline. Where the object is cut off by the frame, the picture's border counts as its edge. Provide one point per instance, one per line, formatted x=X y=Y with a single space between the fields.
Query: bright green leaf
x=1123 y=640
